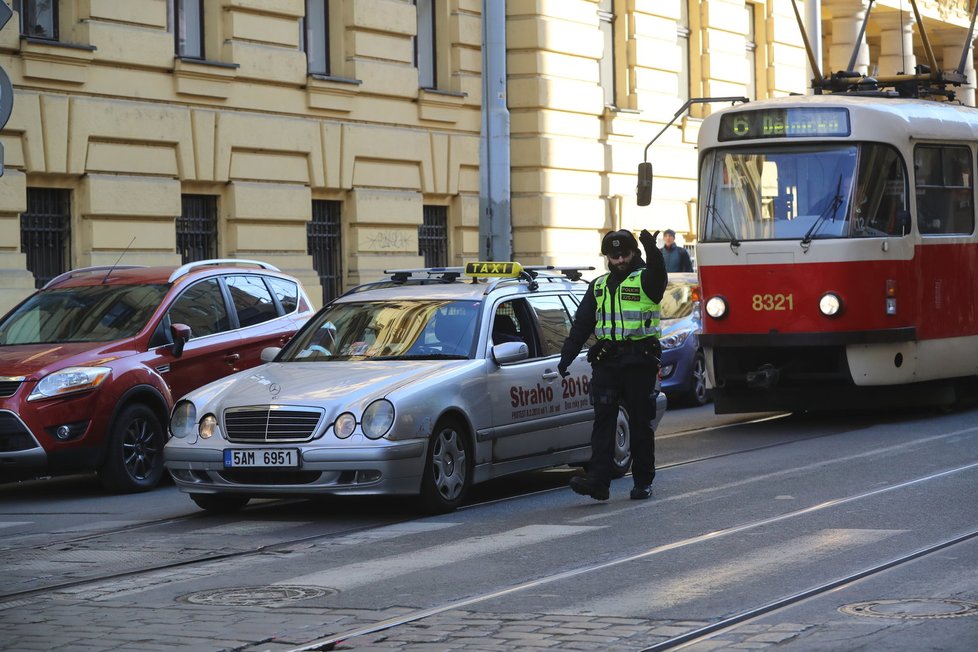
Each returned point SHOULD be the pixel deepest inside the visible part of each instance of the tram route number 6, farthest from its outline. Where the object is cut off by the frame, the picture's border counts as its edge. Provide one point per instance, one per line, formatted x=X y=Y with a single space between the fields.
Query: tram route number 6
x=769 y=302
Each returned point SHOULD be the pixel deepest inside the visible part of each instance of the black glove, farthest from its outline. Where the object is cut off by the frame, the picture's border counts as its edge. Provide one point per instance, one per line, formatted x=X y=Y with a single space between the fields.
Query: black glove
x=562 y=369
x=648 y=240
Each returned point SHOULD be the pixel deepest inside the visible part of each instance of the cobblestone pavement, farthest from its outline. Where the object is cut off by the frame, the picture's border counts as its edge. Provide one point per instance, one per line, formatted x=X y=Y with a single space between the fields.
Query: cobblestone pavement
x=123 y=625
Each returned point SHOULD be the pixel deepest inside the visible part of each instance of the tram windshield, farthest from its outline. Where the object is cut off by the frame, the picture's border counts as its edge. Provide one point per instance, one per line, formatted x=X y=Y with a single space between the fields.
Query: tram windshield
x=803 y=193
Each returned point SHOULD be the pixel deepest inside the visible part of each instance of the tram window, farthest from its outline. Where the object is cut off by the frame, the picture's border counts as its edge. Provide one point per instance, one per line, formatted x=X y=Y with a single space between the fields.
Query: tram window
x=881 y=194
x=945 y=189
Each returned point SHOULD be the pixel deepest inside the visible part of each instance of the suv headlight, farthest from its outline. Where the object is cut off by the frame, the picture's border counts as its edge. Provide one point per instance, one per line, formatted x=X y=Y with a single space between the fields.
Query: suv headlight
x=378 y=418
x=675 y=340
x=183 y=422
x=69 y=381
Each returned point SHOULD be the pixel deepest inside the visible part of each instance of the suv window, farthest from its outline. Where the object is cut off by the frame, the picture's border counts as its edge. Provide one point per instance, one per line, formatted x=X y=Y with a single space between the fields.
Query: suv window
x=201 y=307
x=286 y=292
x=554 y=322
x=96 y=313
x=252 y=301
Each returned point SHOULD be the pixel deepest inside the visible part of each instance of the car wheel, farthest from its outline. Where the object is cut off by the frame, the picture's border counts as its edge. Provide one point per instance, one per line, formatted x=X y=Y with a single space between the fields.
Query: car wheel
x=447 y=469
x=134 y=459
x=623 y=445
x=220 y=503
x=698 y=394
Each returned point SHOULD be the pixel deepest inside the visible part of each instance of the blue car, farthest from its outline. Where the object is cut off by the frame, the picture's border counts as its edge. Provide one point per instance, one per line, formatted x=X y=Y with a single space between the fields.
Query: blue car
x=683 y=362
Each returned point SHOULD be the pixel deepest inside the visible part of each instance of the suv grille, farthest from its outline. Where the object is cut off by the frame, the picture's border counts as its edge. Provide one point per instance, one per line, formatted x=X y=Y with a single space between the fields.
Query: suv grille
x=13 y=435
x=271 y=423
x=9 y=386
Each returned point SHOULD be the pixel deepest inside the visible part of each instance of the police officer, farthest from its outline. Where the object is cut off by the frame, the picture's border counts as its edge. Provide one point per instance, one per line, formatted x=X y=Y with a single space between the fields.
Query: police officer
x=621 y=309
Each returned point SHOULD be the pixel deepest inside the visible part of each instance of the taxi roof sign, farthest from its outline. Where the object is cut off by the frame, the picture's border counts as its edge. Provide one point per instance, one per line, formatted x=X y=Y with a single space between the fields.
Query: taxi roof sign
x=486 y=269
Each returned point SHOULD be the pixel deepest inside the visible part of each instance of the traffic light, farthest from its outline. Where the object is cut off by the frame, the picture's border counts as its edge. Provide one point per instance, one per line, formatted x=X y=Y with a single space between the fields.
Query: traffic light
x=6 y=89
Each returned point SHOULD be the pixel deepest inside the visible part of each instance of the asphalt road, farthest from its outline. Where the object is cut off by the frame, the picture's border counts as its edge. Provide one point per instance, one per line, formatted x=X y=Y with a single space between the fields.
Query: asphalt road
x=844 y=532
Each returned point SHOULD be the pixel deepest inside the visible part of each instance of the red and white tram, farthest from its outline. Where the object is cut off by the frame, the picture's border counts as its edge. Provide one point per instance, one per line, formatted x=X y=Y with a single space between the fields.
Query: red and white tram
x=837 y=252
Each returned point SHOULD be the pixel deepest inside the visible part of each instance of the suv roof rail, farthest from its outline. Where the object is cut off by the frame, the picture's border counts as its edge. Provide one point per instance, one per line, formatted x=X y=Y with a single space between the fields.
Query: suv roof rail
x=184 y=269
x=86 y=270
x=445 y=274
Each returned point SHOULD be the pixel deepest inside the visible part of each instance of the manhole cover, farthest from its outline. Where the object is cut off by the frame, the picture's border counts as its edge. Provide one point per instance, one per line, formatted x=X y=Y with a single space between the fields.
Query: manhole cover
x=255 y=596
x=912 y=608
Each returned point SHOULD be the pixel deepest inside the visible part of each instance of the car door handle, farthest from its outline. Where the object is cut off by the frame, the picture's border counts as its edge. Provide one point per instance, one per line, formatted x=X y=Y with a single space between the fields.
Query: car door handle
x=550 y=375
x=231 y=358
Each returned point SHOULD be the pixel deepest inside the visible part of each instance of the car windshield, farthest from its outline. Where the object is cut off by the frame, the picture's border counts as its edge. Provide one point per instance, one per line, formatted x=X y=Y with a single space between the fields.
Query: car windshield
x=96 y=313
x=387 y=330
x=803 y=193
x=678 y=300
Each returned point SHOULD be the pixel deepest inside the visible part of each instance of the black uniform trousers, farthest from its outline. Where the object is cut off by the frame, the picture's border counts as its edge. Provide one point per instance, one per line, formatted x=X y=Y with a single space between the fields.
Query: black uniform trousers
x=632 y=387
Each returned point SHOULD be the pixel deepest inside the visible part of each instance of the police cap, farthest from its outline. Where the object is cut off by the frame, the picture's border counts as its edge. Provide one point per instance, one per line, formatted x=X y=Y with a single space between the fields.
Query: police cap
x=618 y=243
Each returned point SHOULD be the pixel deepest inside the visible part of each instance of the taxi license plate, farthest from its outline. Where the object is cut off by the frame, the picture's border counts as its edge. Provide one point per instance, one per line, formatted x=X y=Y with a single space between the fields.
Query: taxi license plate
x=261 y=457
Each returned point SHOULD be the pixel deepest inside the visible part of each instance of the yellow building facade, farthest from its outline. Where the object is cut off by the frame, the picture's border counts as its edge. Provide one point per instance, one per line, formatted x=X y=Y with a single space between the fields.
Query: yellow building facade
x=155 y=130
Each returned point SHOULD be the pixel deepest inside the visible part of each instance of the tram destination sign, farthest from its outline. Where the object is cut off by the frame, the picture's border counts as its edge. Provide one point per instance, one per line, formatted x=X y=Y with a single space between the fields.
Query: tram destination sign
x=784 y=123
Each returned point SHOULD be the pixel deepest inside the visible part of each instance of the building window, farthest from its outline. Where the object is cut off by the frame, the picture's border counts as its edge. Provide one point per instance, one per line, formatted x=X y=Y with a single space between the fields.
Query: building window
x=751 y=53
x=424 y=44
x=606 y=67
x=682 y=35
x=38 y=18
x=315 y=36
x=323 y=244
x=197 y=228
x=187 y=16
x=433 y=236
x=45 y=233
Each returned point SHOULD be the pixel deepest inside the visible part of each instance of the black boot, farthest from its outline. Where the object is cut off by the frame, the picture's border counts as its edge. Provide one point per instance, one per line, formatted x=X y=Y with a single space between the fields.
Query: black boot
x=589 y=487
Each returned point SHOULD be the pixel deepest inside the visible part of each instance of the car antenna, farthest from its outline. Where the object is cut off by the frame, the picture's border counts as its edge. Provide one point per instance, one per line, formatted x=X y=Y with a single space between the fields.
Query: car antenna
x=106 y=277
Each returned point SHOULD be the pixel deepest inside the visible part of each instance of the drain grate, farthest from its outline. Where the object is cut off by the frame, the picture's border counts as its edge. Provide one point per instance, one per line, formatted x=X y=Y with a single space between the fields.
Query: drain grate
x=255 y=596
x=911 y=608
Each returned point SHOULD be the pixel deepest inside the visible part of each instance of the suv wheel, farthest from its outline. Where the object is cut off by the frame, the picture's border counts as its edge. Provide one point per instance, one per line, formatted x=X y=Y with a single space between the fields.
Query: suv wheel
x=134 y=459
x=447 y=470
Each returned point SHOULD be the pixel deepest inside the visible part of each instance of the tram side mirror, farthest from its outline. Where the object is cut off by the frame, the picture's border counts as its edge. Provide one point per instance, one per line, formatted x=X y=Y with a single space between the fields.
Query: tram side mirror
x=644 y=188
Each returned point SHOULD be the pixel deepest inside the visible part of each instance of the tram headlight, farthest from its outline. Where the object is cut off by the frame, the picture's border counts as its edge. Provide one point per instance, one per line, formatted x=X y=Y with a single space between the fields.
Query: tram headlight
x=830 y=304
x=716 y=307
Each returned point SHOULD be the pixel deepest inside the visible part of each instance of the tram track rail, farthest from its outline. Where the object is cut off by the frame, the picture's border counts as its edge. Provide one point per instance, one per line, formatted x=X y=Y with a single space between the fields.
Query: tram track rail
x=189 y=518
x=214 y=557
x=328 y=643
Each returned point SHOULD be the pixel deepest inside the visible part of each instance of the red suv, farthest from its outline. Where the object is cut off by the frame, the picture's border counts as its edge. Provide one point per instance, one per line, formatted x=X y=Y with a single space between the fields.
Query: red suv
x=91 y=364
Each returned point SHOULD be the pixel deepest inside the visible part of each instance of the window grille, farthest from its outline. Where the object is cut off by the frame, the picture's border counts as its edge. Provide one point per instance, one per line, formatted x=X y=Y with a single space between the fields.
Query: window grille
x=323 y=244
x=433 y=236
x=197 y=228
x=45 y=231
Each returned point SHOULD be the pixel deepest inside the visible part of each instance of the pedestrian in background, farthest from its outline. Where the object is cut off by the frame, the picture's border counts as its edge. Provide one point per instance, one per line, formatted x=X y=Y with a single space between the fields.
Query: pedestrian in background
x=621 y=308
x=676 y=257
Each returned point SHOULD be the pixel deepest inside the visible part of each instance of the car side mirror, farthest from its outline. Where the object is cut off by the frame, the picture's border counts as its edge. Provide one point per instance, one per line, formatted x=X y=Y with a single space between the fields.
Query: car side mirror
x=269 y=353
x=644 y=189
x=180 y=334
x=510 y=352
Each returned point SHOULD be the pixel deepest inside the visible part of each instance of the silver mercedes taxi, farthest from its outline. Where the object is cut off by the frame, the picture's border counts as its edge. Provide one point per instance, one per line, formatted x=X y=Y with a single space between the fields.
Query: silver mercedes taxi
x=423 y=383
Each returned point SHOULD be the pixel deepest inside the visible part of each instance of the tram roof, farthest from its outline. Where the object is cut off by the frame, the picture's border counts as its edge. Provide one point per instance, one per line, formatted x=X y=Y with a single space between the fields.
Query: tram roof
x=872 y=118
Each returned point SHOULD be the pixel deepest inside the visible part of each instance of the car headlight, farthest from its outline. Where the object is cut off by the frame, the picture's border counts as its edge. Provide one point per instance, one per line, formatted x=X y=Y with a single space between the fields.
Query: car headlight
x=344 y=425
x=675 y=340
x=208 y=426
x=183 y=421
x=68 y=381
x=716 y=307
x=830 y=304
x=378 y=418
